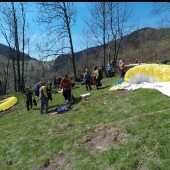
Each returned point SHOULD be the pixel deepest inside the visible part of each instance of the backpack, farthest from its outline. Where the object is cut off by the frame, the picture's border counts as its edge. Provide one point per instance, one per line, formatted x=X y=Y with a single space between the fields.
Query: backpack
x=37 y=87
x=100 y=74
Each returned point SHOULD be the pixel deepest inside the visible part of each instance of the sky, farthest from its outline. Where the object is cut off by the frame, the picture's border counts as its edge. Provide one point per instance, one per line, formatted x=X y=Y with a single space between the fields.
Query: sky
x=141 y=17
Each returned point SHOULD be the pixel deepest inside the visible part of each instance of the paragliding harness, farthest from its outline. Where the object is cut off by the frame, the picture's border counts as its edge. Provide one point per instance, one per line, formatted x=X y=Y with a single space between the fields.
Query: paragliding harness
x=37 y=87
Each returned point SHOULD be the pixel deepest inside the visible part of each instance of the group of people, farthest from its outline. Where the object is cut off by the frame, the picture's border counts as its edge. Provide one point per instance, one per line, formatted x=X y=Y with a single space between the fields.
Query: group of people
x=44 y=92
x=121 y=67
x=57 y=82
x=110 y=71
x=93 y=78
x=97 y=74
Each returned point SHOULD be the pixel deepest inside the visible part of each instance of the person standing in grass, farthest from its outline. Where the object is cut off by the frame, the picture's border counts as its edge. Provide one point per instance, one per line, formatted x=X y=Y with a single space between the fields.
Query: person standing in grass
x=109 y=69
x=66 y=85
x=96 y=77
x=50 y=83
x=87 y=78
x=122 y=68
x=28 y=98
x=58 y=82
x=92 y=77
x=43 y=95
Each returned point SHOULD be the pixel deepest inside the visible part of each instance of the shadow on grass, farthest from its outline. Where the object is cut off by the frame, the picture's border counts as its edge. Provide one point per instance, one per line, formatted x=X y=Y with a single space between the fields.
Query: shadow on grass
x=104 y=87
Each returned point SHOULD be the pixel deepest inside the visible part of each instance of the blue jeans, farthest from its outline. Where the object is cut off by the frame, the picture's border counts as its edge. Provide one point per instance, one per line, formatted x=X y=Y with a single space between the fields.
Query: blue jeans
x=44 y=103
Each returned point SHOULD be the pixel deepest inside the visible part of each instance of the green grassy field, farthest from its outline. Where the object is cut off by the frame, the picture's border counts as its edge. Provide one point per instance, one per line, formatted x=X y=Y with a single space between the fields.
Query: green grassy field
x=118 y=130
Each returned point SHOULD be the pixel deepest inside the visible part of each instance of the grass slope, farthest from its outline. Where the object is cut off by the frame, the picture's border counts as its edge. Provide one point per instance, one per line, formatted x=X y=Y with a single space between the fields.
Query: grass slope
x=108 y=130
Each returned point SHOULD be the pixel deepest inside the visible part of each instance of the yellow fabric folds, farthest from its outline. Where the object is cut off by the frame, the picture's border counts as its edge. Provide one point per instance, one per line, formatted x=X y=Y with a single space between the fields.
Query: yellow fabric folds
x=7 y=103
x=150 y=73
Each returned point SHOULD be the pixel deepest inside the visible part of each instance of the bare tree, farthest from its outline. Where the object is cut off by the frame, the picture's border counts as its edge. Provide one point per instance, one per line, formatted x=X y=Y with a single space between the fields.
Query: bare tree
x=59 y=17
x=23 y=45
x=16 y=41
x=162 y=9
x=6 y=32
x=98 y=25
x=85 y=40
x=14 y=35
x=4 y=72
x=119 y=14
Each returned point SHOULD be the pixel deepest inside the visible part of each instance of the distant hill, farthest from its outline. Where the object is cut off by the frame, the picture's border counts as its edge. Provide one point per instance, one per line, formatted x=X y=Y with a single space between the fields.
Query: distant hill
x=148 y=45
x=4 y=52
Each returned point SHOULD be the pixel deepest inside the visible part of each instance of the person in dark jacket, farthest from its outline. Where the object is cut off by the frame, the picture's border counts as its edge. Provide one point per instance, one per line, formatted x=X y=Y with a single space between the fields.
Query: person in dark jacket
x=87 y=79
x=28 y=98
x=58 y=82
x=50 y=83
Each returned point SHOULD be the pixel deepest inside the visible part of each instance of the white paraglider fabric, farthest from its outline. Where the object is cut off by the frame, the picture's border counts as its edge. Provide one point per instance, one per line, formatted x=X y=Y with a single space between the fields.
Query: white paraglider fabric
x=154 y=76
x=163 y=87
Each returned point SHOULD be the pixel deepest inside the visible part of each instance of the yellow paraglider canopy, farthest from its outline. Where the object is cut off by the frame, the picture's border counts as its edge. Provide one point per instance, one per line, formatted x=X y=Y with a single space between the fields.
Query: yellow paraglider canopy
x=155 y=76
x=7 y=103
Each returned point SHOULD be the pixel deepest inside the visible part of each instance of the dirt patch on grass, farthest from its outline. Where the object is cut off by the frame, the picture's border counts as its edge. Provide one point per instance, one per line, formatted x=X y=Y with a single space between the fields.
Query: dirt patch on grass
x=101 y=140
x=53 y=164
x=98 y=142
x=2 y=113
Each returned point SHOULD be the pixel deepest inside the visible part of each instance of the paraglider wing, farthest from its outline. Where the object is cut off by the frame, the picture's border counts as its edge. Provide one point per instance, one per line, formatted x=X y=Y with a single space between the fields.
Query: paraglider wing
x=156 y=76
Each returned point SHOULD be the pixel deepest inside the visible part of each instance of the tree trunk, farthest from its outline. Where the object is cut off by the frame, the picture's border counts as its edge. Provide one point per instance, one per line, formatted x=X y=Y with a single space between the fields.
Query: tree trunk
x=17 y=47
x=71 y=43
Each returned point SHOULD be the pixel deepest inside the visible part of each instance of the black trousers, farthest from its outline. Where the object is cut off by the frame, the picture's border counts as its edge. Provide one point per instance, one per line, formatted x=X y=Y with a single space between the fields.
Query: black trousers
x=122 y=73
x=98 y=83
x=29 y=104
x=87 y=82
x=67 y=94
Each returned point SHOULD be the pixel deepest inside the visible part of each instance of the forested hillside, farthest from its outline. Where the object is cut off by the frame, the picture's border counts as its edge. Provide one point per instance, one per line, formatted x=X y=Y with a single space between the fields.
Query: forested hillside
x=148 y=45
x=4 y=52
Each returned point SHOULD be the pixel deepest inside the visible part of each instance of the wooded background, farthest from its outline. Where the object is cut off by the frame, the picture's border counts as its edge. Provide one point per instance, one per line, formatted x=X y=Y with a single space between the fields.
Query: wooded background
x=106 y=31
